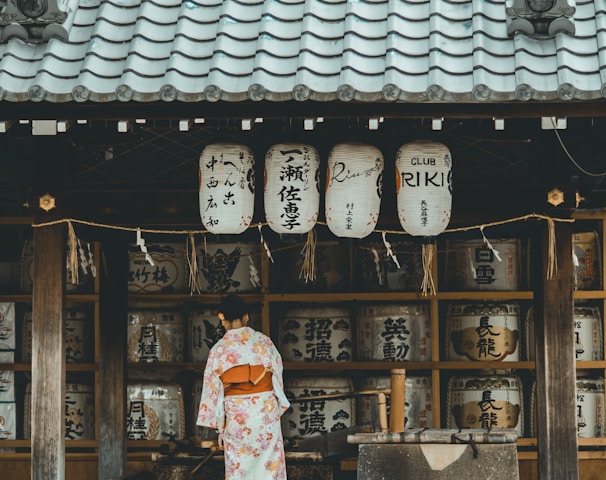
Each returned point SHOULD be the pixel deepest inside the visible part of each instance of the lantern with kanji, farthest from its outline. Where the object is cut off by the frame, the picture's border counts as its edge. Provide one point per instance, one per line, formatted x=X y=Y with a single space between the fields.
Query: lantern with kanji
x=292 y=187
x=424 y=187
x=354 y=181
x=227 y=188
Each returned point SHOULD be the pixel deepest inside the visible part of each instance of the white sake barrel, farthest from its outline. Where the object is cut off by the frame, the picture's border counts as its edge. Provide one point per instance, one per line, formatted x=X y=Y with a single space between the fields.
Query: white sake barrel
x=471 y=265
x=8 y=421
x=317 y=416
x=332 y=268
x=79 y=341
x=86 y=276
x=155 y=411
x=79 y=411
x=394 y=332
x=205 y=329
x=483 y=332
x=417 y=402
x=7 y=378
x=316 y=334
x=378 y=271
x=485 y=402
x=590 y=407
x=167 y=275
x=229 y=267
x=588 y=333
x=204 y=433
x=587 y=261
x=7 y=326
x=155 y=336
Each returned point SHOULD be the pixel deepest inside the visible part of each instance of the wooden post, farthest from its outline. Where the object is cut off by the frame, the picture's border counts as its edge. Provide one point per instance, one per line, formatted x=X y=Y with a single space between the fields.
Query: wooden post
x=112 y=360
x=555 y=360
x=398 y=386
x=48 y=354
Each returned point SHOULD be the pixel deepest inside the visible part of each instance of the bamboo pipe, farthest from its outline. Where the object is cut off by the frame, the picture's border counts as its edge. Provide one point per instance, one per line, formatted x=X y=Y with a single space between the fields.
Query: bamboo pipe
x=398 y=387
x=382 y=404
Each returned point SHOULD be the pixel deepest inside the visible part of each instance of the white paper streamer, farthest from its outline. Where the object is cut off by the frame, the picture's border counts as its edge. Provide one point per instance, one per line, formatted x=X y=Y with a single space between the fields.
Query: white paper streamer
x=489 y=245
x=389 y=251
x=265 y=244
x=253 y=272
x=141 y=244
x=91 y=261
x=377 y=261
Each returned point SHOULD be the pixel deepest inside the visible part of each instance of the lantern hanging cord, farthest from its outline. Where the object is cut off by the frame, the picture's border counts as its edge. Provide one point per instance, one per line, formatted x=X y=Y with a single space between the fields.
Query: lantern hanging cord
x=570 y=157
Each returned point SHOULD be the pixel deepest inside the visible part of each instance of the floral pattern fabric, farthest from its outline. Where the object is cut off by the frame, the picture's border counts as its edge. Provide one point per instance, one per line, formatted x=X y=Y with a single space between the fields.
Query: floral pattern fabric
x=249 y=424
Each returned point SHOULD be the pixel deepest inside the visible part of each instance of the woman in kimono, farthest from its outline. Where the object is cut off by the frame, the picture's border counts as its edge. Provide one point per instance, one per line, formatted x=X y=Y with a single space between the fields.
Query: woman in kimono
x=243 y=397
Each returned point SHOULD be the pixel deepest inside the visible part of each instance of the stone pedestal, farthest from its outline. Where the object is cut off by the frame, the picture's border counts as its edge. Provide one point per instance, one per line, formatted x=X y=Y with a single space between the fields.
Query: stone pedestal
x=436 y=455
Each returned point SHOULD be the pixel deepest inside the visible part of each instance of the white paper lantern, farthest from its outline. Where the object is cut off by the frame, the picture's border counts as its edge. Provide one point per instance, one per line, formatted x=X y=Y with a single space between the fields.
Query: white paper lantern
x=292 y=190
x=227 y=188
x=424 y=187
x=354 y=182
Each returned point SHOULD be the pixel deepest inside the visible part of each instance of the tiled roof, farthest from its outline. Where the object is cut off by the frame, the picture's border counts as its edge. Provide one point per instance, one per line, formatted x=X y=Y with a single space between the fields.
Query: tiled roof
x=279 y=50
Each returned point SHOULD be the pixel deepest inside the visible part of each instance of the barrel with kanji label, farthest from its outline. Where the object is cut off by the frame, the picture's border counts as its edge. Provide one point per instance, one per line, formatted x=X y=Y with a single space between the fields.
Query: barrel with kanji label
x=7 y=326
x=8 y=421
x=155 y=336
x=7 y=377
x=418 y=411
x=167 y=273
x=229 y=267
x=587 y=261
x=316 y=334
x=483 y=331
x=394 y=332
x=590 y=407
x=486 y=402
x=472 y=265
x=317 y=415
x=155 y=411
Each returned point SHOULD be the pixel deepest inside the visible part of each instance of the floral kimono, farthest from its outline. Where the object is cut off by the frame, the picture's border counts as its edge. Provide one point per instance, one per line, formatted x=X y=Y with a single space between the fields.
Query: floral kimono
x=249 y=423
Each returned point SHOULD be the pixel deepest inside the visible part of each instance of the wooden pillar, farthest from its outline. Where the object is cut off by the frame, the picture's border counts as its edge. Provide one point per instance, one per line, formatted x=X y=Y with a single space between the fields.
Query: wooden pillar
x=555 y=359
x=112 y=360
x=398 y=395
x=48 y=354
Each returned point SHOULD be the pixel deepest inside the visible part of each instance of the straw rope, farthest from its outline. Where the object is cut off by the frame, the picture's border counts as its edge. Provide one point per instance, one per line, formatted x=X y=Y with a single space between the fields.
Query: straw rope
x=308 y=268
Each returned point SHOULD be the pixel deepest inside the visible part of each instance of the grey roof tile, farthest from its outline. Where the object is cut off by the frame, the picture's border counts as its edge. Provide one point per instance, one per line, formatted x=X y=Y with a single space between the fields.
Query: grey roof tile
x=278 y=50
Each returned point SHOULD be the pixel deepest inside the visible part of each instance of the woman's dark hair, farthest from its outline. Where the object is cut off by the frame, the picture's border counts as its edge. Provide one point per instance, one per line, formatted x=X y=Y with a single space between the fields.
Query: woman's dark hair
x=233 y=307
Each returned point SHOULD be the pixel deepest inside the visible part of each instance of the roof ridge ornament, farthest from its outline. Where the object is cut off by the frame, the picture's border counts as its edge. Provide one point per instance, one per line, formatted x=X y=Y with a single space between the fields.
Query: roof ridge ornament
x=540 y=18
x=37 y=21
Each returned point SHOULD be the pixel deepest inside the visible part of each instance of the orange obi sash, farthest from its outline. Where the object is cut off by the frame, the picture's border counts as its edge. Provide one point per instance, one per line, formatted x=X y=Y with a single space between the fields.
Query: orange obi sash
x=246 y=379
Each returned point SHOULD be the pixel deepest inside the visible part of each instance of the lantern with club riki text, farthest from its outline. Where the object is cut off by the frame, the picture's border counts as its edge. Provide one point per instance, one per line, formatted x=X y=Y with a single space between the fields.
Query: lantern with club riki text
x=354 y=182
x=227 y=188
x=424 y=187
x=292 y=187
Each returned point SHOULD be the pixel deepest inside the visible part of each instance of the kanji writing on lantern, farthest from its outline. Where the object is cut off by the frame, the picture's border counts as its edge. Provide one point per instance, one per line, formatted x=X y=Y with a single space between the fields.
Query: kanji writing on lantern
x=296 y=179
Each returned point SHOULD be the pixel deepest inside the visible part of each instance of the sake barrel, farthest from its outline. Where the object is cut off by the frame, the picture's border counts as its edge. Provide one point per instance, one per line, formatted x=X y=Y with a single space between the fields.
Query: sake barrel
x=587 y=261
x=155 y=411
x=7 y=378
x=155 y=336
x=394 y=332
x=331 y=264
x=204 y=433
x=86 y=272
x=471 y=265
x=316 y=334
x=229 y=267
x=79 y=341
x=317 y=415
x=79 y=411
x=8 y=421
x=484 y=332
x=588 y=333
x=205 y=329
x=485 y=402
x=378 y=271
x=7 y=326
x=418 y=411
x=590 y=407
x=168 y=274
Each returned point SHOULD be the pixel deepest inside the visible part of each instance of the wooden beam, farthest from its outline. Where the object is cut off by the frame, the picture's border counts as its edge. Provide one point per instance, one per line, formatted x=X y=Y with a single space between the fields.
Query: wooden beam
x=48 y=354
x=555 y=359
x=112 y=360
